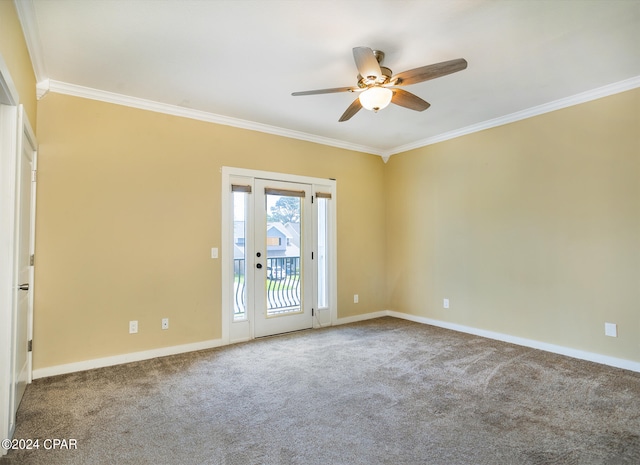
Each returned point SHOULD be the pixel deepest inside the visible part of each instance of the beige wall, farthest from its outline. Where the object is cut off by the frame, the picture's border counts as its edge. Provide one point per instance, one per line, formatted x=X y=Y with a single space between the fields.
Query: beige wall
x=530 y=229
x=129 y=208
x=13 y=49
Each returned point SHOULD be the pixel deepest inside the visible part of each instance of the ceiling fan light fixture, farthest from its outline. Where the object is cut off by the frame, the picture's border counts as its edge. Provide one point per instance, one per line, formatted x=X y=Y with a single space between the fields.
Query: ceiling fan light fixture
x=374 y=81
x=375 y=98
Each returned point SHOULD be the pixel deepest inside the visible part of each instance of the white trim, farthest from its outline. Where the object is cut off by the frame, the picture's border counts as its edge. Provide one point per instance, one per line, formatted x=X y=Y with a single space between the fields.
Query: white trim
x=28 y=131
x=33 y=142
x=594 y=94
x=134 y=102
x=227 y=242
x=8 y=167
x=210 y=344
x=231 y=171
x=365 y=316
x=531 y=343
x=29 y=22
x=42 y=88
x=8 y=90
x=150 y=105
x=9 y=99
x=125 y=358
x=226 y=236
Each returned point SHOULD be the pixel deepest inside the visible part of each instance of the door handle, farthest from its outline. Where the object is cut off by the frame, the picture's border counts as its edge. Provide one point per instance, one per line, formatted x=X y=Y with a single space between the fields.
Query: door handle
x=259 y=265
x=24 y=287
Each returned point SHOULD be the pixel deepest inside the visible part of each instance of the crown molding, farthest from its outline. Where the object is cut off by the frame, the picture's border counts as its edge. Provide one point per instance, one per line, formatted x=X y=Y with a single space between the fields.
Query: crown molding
x=150 y=105
x=29 y=22
x=42 y=88
x=119 y=99
x=594 y=94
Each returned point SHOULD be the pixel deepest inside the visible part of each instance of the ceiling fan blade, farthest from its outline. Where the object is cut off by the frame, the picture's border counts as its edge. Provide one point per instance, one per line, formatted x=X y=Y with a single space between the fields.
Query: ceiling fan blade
x=428 y=72
x=409 y=100
x=367 y=64
x=352 y=110
x=326 y=91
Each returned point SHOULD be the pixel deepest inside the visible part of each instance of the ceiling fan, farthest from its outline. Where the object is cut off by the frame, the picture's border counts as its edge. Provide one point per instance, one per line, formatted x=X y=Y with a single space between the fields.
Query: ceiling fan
x=378 y=86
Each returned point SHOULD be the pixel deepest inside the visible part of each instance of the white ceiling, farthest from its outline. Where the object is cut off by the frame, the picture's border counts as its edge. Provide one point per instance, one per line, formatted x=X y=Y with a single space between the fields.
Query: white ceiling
x=239 y=60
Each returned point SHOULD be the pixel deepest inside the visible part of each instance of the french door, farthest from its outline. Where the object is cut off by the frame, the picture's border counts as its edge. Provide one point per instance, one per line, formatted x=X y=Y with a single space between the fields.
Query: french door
x=279 y=271
x=283 y=273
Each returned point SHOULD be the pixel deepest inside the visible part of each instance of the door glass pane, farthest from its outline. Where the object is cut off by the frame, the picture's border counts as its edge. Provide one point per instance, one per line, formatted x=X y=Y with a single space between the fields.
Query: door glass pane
x=283 y=281
x=323 y=269
x=240 y=200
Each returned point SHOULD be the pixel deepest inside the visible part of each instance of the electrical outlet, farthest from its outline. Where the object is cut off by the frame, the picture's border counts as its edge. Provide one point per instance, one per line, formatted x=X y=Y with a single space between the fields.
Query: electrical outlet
x=355 y=298
x=445 y=303
x=611 y=329
x=165 y=323
x=133 y=326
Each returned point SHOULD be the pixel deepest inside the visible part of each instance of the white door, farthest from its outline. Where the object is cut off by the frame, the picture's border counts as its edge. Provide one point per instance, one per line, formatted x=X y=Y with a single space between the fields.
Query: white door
x=22 y=321
x=283 y=274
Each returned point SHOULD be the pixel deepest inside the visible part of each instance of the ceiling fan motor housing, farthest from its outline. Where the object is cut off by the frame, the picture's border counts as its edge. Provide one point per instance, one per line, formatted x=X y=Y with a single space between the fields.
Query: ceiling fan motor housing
x=384 y=78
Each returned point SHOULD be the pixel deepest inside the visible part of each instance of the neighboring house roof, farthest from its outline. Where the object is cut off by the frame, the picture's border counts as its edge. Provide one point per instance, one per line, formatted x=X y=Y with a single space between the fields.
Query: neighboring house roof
x=280 y=227
x=294 y=229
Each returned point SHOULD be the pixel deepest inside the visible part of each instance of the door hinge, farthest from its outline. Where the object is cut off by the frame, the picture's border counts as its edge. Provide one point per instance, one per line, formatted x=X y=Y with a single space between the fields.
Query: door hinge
x=34 y=175
x=311 y=255
x=32 y=260
x=30 y=345
x=313 y=312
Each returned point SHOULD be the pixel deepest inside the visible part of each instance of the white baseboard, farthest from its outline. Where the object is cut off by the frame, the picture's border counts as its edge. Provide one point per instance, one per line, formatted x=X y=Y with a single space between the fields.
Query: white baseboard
x=124 y=358
x=163 y=352
x=366 y=316
x=174 y=350
x=556 y=349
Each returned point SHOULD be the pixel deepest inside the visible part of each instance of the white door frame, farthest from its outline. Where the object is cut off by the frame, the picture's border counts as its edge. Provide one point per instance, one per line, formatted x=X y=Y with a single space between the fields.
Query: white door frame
x=242 y=331
x=14 y=124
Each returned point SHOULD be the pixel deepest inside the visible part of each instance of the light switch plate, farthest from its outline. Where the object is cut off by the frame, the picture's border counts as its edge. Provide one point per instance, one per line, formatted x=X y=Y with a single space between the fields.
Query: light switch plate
x=445 y=303
x=214 y=252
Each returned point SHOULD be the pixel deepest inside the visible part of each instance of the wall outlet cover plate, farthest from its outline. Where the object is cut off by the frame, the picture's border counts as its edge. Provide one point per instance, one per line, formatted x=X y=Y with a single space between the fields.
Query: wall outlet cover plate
x=611 y=329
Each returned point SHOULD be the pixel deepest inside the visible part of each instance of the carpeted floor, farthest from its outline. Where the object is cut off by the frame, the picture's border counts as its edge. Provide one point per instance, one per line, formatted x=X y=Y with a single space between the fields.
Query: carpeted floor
x=384 y=391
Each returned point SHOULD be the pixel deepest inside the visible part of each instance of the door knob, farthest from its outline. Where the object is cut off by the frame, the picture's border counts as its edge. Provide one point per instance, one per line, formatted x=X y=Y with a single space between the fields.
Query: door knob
x=24 y=287
x=259 y=265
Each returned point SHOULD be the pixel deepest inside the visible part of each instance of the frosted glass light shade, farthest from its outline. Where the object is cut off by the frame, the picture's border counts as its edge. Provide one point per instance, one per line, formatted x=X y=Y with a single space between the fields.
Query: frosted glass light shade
x=375 y=98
